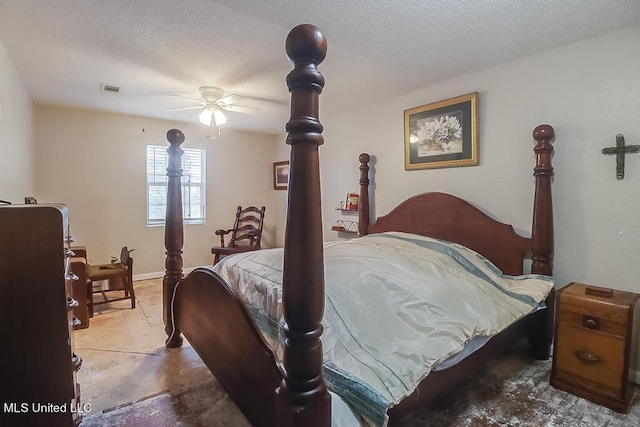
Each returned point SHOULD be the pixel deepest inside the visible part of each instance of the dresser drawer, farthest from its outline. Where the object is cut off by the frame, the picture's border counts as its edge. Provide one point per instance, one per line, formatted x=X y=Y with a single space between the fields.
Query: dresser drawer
x=591 y=357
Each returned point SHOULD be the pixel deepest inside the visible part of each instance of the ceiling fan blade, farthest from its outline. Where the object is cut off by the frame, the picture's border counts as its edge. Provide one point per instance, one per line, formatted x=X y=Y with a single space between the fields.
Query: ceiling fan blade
x=230 y=99
x=240 y=109
x=185 y=108
x=199 y=101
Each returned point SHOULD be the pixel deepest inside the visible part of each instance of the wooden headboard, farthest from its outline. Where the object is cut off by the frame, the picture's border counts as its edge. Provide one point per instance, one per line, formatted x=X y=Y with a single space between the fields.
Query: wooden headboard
x=446 y=217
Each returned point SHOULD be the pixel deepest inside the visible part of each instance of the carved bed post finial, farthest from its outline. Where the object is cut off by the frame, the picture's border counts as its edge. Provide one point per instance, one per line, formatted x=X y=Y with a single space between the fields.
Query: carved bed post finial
x=363 y=204
x=303 y=399
x=173 y=234
x=542 y=229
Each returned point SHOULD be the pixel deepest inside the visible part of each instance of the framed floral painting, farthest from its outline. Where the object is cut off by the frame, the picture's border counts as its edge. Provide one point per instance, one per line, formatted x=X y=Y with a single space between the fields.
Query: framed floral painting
x=442 y=134
x=280 y=175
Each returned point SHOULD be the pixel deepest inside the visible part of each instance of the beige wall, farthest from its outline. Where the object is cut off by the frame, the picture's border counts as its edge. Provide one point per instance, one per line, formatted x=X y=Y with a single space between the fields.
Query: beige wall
x=95 y=163
x=16 y=126
x=575 y=89
x=589 y=92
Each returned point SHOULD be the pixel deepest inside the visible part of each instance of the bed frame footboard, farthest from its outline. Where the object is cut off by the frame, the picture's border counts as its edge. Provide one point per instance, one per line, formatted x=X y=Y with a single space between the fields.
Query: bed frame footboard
x=223 y=333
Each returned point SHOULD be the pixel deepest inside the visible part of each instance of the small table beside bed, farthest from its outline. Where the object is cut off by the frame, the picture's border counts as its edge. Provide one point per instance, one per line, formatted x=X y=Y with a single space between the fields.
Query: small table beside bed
x=368 y=328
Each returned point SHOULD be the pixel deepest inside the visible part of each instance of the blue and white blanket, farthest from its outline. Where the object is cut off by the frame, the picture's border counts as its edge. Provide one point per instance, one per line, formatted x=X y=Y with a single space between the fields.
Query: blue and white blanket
x=396 y=305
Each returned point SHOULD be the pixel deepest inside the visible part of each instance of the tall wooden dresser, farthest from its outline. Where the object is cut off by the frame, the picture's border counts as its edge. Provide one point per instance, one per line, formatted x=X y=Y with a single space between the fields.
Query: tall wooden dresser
x=37 y=360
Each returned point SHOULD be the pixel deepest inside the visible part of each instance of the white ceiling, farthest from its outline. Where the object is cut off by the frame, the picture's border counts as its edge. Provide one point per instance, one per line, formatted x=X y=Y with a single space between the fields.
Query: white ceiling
x=64 y=49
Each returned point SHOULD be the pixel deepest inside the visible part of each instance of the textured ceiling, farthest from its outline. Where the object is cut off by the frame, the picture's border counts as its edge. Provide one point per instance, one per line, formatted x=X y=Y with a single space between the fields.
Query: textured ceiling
x=64 y=49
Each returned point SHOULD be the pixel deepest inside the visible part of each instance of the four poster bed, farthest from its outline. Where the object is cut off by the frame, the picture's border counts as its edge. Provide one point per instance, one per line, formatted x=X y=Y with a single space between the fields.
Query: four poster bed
x=270 y=357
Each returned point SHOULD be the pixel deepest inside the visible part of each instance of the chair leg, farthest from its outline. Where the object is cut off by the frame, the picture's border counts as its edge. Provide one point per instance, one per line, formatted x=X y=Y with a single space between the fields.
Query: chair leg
x=216 y=258
x=133 y=295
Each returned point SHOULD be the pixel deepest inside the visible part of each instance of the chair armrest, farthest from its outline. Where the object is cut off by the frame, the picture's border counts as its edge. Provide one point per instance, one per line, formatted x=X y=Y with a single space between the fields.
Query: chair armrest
x=220 y=232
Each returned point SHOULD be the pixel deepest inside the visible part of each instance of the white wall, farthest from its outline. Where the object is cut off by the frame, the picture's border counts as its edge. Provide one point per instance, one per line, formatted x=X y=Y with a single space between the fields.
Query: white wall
x=95 y=163
x=16 y=125
x=588 y=92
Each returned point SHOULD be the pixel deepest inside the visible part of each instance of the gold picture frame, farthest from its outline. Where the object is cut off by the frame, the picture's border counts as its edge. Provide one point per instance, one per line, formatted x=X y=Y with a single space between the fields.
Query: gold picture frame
x=281 y=175
x=442 y=134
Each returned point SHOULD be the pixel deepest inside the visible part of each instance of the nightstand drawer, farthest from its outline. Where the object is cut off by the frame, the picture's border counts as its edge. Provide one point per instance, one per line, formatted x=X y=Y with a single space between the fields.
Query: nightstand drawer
x=591 y=357
x=594 y=320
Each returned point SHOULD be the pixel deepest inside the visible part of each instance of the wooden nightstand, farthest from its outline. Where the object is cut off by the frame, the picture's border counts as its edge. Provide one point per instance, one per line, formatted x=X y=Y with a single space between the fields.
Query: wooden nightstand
x=595 y=349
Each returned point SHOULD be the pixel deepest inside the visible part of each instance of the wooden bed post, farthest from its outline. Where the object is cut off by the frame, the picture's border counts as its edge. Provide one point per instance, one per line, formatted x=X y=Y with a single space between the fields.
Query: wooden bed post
x=542 y=235
x=542 y=229
x=303 y=399
x=173 y=235
x=363 y=204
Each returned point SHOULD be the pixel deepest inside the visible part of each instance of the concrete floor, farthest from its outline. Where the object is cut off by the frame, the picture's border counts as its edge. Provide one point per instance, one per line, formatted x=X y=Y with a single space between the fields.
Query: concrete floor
x=124 y=358
x=131 y=380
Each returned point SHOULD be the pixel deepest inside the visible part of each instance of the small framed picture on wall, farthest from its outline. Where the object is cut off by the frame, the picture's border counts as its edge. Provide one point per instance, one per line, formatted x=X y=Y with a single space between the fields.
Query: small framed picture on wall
x=280 y=175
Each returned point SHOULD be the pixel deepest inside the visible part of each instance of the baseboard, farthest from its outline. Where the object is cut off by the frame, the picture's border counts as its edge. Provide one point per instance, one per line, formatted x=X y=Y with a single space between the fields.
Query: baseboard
x=148 y=276
x=157 y=274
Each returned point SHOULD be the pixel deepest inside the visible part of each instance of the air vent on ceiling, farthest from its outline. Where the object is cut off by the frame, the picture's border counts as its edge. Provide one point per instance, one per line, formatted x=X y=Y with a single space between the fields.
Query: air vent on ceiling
x=109 y=88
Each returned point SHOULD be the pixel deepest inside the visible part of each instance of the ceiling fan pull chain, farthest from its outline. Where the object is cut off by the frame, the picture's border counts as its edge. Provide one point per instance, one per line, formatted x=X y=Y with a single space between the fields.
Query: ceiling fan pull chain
x=215 y=130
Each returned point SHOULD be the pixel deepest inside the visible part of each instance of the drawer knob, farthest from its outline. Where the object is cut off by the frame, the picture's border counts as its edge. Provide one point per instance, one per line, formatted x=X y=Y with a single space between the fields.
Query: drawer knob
x=71 y=303
x=76 y=362
x=587 y=357
x=591 y=322
x=71 y=276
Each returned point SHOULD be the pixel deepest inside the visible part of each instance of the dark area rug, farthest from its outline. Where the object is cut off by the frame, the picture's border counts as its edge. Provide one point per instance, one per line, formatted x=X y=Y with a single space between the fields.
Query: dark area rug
x=512 y=391
x=515 y=391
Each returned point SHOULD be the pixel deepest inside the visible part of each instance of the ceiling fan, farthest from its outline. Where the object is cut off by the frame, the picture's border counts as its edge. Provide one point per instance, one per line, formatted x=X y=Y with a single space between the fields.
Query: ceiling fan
x=213 y=103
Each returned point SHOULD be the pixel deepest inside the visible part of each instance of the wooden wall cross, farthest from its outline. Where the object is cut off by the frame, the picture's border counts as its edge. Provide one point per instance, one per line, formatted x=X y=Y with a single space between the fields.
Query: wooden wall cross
x=620 y=150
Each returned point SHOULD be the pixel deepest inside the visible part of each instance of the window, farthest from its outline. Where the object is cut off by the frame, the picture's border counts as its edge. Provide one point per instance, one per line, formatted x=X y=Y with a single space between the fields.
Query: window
x=193 y=185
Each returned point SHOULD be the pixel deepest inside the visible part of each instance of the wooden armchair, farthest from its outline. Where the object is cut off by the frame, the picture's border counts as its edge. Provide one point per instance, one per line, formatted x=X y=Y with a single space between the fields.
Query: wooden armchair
x=245 y=234
x=119 y=276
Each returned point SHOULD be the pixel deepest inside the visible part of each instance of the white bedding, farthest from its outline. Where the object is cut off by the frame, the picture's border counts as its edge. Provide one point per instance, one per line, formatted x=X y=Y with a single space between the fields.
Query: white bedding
x=396 y=305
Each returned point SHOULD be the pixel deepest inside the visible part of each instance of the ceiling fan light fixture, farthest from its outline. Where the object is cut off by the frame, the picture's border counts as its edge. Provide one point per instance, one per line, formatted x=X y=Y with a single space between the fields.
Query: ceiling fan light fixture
x=205 y=117
x=214 y=117
x=210 y=113
x=213 y=105
x=219 y=117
